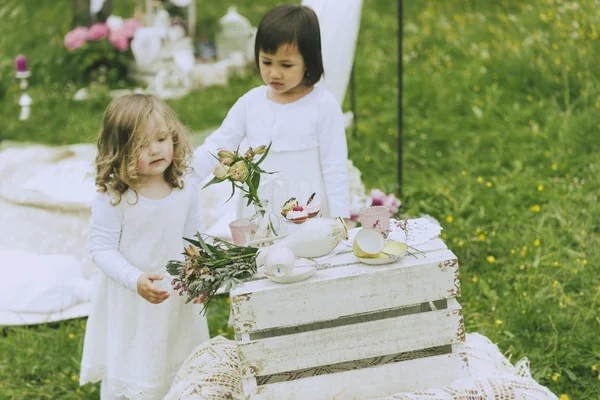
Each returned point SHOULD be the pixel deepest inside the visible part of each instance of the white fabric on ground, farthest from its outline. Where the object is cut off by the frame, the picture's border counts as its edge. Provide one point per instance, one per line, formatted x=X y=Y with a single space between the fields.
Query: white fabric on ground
x=212 y=372
x=45 y=199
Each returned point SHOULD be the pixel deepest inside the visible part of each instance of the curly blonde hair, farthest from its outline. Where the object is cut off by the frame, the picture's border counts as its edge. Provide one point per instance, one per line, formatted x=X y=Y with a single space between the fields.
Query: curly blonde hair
x=120 y=140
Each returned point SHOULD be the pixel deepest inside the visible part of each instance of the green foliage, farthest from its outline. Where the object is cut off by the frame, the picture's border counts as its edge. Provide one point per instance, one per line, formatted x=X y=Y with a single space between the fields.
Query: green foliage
x=98 y=61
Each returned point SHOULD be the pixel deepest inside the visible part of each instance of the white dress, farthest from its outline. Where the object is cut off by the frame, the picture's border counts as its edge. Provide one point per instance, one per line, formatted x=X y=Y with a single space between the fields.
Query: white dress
x=309 y=150
x=133 y=346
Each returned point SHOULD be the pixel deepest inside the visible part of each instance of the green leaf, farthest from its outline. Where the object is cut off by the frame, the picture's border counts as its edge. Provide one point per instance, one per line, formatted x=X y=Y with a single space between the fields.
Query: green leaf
x=261 y=159
x=204 y=245
x=212 y=182
x=571 y=375
x=232 y=191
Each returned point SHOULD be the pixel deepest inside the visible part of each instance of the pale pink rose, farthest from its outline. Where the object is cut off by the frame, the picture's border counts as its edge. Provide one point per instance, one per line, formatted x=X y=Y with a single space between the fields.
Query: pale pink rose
x=76 y=38
x=393 y=203
x=119 y=40
x=353 y=215
x=97 y=32
x=378 y=197
x=129 y=27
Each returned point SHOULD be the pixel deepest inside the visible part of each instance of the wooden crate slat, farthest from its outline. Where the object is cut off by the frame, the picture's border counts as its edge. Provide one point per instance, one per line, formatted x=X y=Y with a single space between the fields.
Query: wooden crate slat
x=419 y=374
x=359 y=341
x=342 y=291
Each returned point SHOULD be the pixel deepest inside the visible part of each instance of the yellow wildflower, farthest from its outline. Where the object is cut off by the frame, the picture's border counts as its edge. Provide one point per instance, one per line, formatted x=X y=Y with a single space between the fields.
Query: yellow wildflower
x=555 y=263
x=529 y=98
x=523 y=312
x=584 y=262
x=463 y=172
x=74 y=378
x=536 y=242
x=71 y=336
x=521 y=267
x=536 y=208
x=540 y=188
x=488 y=184
x=564 y=397
x=498 y=322
x=449 y=219
x=556 y=376
x=479 y=179
x=461 y=243
x=491 y=259
x=555 y=284
x=474 y=279
x=554 y=167
x=481 y=236
x=46 y=381
x=594 y=367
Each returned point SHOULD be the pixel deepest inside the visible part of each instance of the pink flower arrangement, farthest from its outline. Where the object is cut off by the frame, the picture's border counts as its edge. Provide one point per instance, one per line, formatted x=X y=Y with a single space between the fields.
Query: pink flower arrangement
x=118 y=38
x=379 y=198
x=76 y=38
x=97 y=32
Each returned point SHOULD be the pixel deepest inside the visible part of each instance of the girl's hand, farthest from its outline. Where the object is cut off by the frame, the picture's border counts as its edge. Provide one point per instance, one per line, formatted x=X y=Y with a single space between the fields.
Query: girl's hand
x=149 y=291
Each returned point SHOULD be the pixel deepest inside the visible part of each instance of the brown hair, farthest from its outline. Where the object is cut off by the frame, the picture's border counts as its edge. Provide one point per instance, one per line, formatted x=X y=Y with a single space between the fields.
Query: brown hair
x=297 y=25
x=120 y=140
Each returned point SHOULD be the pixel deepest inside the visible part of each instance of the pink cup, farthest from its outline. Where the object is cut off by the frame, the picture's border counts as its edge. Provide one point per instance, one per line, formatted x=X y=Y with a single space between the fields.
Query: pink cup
x=376 y=217
x=240 y=231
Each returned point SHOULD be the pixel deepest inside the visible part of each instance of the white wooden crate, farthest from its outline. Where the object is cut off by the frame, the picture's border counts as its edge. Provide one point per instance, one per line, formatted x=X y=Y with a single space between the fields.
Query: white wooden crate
x=352 y=330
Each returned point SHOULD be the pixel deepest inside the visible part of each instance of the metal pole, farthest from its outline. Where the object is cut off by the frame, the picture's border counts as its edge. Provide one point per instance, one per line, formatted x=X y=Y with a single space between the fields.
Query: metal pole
x=353 y=102
x=400 y=71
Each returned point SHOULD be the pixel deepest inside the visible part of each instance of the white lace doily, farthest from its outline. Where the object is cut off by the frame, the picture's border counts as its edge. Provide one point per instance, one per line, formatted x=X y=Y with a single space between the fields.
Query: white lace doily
x=212 y=372
x=414 y=231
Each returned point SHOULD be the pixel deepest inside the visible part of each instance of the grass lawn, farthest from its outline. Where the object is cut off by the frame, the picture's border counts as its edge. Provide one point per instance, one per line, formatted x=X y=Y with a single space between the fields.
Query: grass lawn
x=501 y=105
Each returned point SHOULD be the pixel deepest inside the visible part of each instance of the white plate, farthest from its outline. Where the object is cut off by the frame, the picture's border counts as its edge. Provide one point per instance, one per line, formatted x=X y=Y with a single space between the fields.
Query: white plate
x=302 y=271
x=379 y=261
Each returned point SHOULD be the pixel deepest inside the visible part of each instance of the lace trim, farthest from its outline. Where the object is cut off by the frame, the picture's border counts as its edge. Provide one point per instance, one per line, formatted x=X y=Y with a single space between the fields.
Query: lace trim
x=129 y=389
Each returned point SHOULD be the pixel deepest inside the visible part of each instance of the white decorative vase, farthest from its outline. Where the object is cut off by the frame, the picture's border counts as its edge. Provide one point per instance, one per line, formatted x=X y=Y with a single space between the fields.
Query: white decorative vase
x=314 y=238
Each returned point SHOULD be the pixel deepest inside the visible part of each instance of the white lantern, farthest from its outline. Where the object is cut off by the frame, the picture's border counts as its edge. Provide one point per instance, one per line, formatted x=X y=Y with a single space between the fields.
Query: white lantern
x=234 y=33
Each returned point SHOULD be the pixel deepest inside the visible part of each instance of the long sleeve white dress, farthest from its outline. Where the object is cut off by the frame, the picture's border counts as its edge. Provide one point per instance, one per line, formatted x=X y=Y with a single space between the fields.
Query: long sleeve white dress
x=309 y=150
x=132 y=346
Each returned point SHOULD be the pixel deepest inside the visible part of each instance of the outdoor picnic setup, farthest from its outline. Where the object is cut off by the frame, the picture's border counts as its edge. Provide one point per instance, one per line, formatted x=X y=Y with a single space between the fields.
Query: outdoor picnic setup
x=303 y=200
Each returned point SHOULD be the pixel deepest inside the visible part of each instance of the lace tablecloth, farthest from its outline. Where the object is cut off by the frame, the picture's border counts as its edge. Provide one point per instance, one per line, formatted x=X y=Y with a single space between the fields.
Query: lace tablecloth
x=212 y=372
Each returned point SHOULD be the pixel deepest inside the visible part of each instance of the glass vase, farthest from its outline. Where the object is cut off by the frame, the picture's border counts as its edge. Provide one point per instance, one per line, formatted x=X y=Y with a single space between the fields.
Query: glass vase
x=264 y=223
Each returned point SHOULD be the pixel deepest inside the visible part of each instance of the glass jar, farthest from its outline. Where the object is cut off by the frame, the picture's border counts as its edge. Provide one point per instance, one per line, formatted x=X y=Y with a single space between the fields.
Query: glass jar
x=264 y=223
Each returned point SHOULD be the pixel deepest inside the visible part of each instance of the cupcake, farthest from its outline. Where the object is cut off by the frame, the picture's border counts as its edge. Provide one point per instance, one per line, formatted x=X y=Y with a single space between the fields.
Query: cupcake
x=298 y=215
x=312 y=209
x=289 y=206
